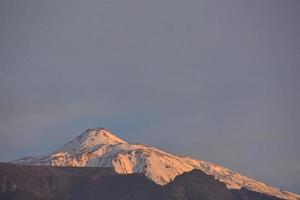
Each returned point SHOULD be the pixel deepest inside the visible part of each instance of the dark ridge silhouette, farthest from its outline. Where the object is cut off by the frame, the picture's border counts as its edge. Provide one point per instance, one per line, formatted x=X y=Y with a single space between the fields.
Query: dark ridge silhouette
x=92 y=183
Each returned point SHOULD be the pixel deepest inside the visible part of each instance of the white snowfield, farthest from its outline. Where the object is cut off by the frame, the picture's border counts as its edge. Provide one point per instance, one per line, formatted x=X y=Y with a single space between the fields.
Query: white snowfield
x=100 y=148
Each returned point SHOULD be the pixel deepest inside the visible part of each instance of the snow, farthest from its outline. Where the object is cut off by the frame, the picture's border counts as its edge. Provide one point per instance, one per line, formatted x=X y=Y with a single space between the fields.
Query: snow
x=100 y=148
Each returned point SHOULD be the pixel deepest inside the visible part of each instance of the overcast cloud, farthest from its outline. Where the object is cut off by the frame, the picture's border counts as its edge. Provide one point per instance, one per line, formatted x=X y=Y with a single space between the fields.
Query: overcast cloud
x=216 y=80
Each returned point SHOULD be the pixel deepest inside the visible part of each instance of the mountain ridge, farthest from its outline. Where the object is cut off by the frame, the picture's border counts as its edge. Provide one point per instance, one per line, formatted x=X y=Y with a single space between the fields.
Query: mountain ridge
x=99 y=147
x=23 y=182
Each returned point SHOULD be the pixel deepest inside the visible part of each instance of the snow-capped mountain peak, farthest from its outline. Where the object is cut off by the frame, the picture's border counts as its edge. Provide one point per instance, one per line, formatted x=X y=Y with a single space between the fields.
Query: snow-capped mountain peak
x=98 y=147
x=90 y=140
x=99 y=136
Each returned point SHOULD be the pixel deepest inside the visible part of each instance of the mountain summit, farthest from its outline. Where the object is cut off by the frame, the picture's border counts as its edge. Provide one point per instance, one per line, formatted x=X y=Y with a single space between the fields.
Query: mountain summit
x=90 y=140
x=98 y=147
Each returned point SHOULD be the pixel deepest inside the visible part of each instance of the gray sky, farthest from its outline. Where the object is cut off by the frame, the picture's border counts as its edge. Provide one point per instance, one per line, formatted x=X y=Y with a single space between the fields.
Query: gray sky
x=215 y=80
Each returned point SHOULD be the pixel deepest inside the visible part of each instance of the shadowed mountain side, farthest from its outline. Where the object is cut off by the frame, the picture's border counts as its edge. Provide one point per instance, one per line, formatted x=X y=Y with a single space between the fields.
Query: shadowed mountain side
x=198 y=185
x=45 y=182
x=244 y=194
x=89 y=183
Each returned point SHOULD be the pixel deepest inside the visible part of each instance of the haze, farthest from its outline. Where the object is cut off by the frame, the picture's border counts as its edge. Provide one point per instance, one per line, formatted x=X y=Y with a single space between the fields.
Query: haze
x=215 y=80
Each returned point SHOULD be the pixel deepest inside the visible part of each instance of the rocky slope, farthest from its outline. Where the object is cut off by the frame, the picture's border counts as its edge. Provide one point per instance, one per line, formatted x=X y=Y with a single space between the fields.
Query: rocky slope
x=100 y=148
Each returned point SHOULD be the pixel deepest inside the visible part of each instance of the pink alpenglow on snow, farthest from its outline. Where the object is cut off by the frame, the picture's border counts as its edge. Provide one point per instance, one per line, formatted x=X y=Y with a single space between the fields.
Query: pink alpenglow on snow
x=98 y=147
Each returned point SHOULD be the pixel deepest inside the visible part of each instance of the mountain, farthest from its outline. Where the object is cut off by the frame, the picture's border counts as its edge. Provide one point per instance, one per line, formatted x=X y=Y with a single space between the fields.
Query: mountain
x=100 y=148
x=20 y=182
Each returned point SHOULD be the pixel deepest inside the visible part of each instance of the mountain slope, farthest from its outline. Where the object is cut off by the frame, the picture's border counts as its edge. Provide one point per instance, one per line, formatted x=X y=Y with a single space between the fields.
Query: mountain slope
x=18 y=182
x=72 y=183
x=100 y=148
